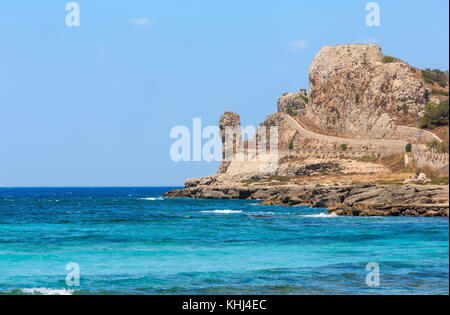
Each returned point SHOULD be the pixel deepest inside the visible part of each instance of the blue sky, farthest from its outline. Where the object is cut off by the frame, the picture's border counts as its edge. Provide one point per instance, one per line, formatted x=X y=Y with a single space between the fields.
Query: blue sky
x=94 y=105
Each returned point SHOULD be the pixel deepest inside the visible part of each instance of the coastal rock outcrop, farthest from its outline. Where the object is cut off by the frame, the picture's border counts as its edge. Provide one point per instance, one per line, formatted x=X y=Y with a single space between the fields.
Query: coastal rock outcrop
x=230 y=131
x=293 y=103
x=357 y=92
x=344 y=199
x=344 y=131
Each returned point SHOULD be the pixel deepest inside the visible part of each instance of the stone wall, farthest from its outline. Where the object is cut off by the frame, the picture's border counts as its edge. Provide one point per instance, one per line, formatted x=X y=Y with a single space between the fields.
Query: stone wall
x=436 y=161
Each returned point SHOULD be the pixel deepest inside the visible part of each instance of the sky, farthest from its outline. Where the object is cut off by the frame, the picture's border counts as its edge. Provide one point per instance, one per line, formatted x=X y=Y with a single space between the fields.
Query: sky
x=94 y=105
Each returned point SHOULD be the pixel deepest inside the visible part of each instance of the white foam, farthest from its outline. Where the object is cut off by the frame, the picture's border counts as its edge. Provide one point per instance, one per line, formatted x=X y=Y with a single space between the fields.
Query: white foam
x=47 y=291
x=320 y=215
x=152 y=198
x=223 y=211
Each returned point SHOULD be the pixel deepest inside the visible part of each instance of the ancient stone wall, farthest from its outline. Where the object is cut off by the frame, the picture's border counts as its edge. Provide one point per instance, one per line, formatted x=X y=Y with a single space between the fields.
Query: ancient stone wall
x=436 y=161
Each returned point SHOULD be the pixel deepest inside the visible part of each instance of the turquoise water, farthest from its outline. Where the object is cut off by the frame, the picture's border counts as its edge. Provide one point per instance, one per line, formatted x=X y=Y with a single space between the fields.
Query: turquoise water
x=132 y=241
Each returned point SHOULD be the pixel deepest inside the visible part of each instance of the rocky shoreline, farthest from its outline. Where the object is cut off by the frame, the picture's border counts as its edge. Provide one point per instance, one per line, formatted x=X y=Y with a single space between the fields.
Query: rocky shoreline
x=346 y=131
x=341 y=199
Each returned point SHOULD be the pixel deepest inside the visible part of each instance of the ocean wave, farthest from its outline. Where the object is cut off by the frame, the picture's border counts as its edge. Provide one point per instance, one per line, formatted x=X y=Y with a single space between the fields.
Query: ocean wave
x=223 y=211
x=320 y=215
x=47 y=291
x=152 y=198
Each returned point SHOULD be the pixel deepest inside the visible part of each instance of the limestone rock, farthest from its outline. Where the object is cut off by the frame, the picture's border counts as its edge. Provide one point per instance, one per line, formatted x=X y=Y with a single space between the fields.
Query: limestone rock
x=229 y=122
x=351 y=112
x=423 y=178
x=347 y=200
x=353 y=93
x=293 y=103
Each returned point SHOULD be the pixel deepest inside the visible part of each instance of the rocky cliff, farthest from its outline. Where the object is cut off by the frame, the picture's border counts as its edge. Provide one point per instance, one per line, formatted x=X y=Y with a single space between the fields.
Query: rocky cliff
x=345 y=199
x=357 y=92
x=231 y=123
x=335 y=133
x=293 y=103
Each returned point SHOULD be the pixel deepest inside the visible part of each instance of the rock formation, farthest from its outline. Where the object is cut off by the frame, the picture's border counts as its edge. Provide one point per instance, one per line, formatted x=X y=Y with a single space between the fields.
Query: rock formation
x=349 y=118
x=293 y=103
x=347 y=200
x=230 y=131
x=356 y=96
x=356 y=93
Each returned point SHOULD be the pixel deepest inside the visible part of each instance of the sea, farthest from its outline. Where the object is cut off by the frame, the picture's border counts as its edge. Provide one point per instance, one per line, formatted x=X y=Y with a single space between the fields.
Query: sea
x=116 y=241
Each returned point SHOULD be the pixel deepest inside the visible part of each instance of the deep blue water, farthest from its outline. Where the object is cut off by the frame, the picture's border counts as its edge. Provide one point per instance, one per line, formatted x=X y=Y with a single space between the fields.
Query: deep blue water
x=131 y=241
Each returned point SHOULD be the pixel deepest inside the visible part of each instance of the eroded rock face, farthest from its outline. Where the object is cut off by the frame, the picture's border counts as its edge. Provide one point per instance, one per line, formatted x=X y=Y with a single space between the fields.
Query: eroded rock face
x=355 y=99
x=284 y=134
x=293 y=103
x=229 y=122
x=353 y=93
x=309 y=169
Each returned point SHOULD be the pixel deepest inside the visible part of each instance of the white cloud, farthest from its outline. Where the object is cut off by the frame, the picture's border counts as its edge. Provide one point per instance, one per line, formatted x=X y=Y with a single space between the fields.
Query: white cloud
x=300 y=44
x=141 y=22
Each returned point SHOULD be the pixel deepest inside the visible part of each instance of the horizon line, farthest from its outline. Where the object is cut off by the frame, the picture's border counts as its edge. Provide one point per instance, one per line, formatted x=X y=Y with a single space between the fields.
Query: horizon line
x=101 y=186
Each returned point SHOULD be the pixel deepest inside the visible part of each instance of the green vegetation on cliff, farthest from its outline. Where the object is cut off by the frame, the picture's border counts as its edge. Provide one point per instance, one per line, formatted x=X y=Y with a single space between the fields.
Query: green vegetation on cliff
x=408 y=148
x=435 y=76
x=304 y=98
x=440 y=147
x=439 y=92
x=435 y=115
x=388 y=59
x=290 y=111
